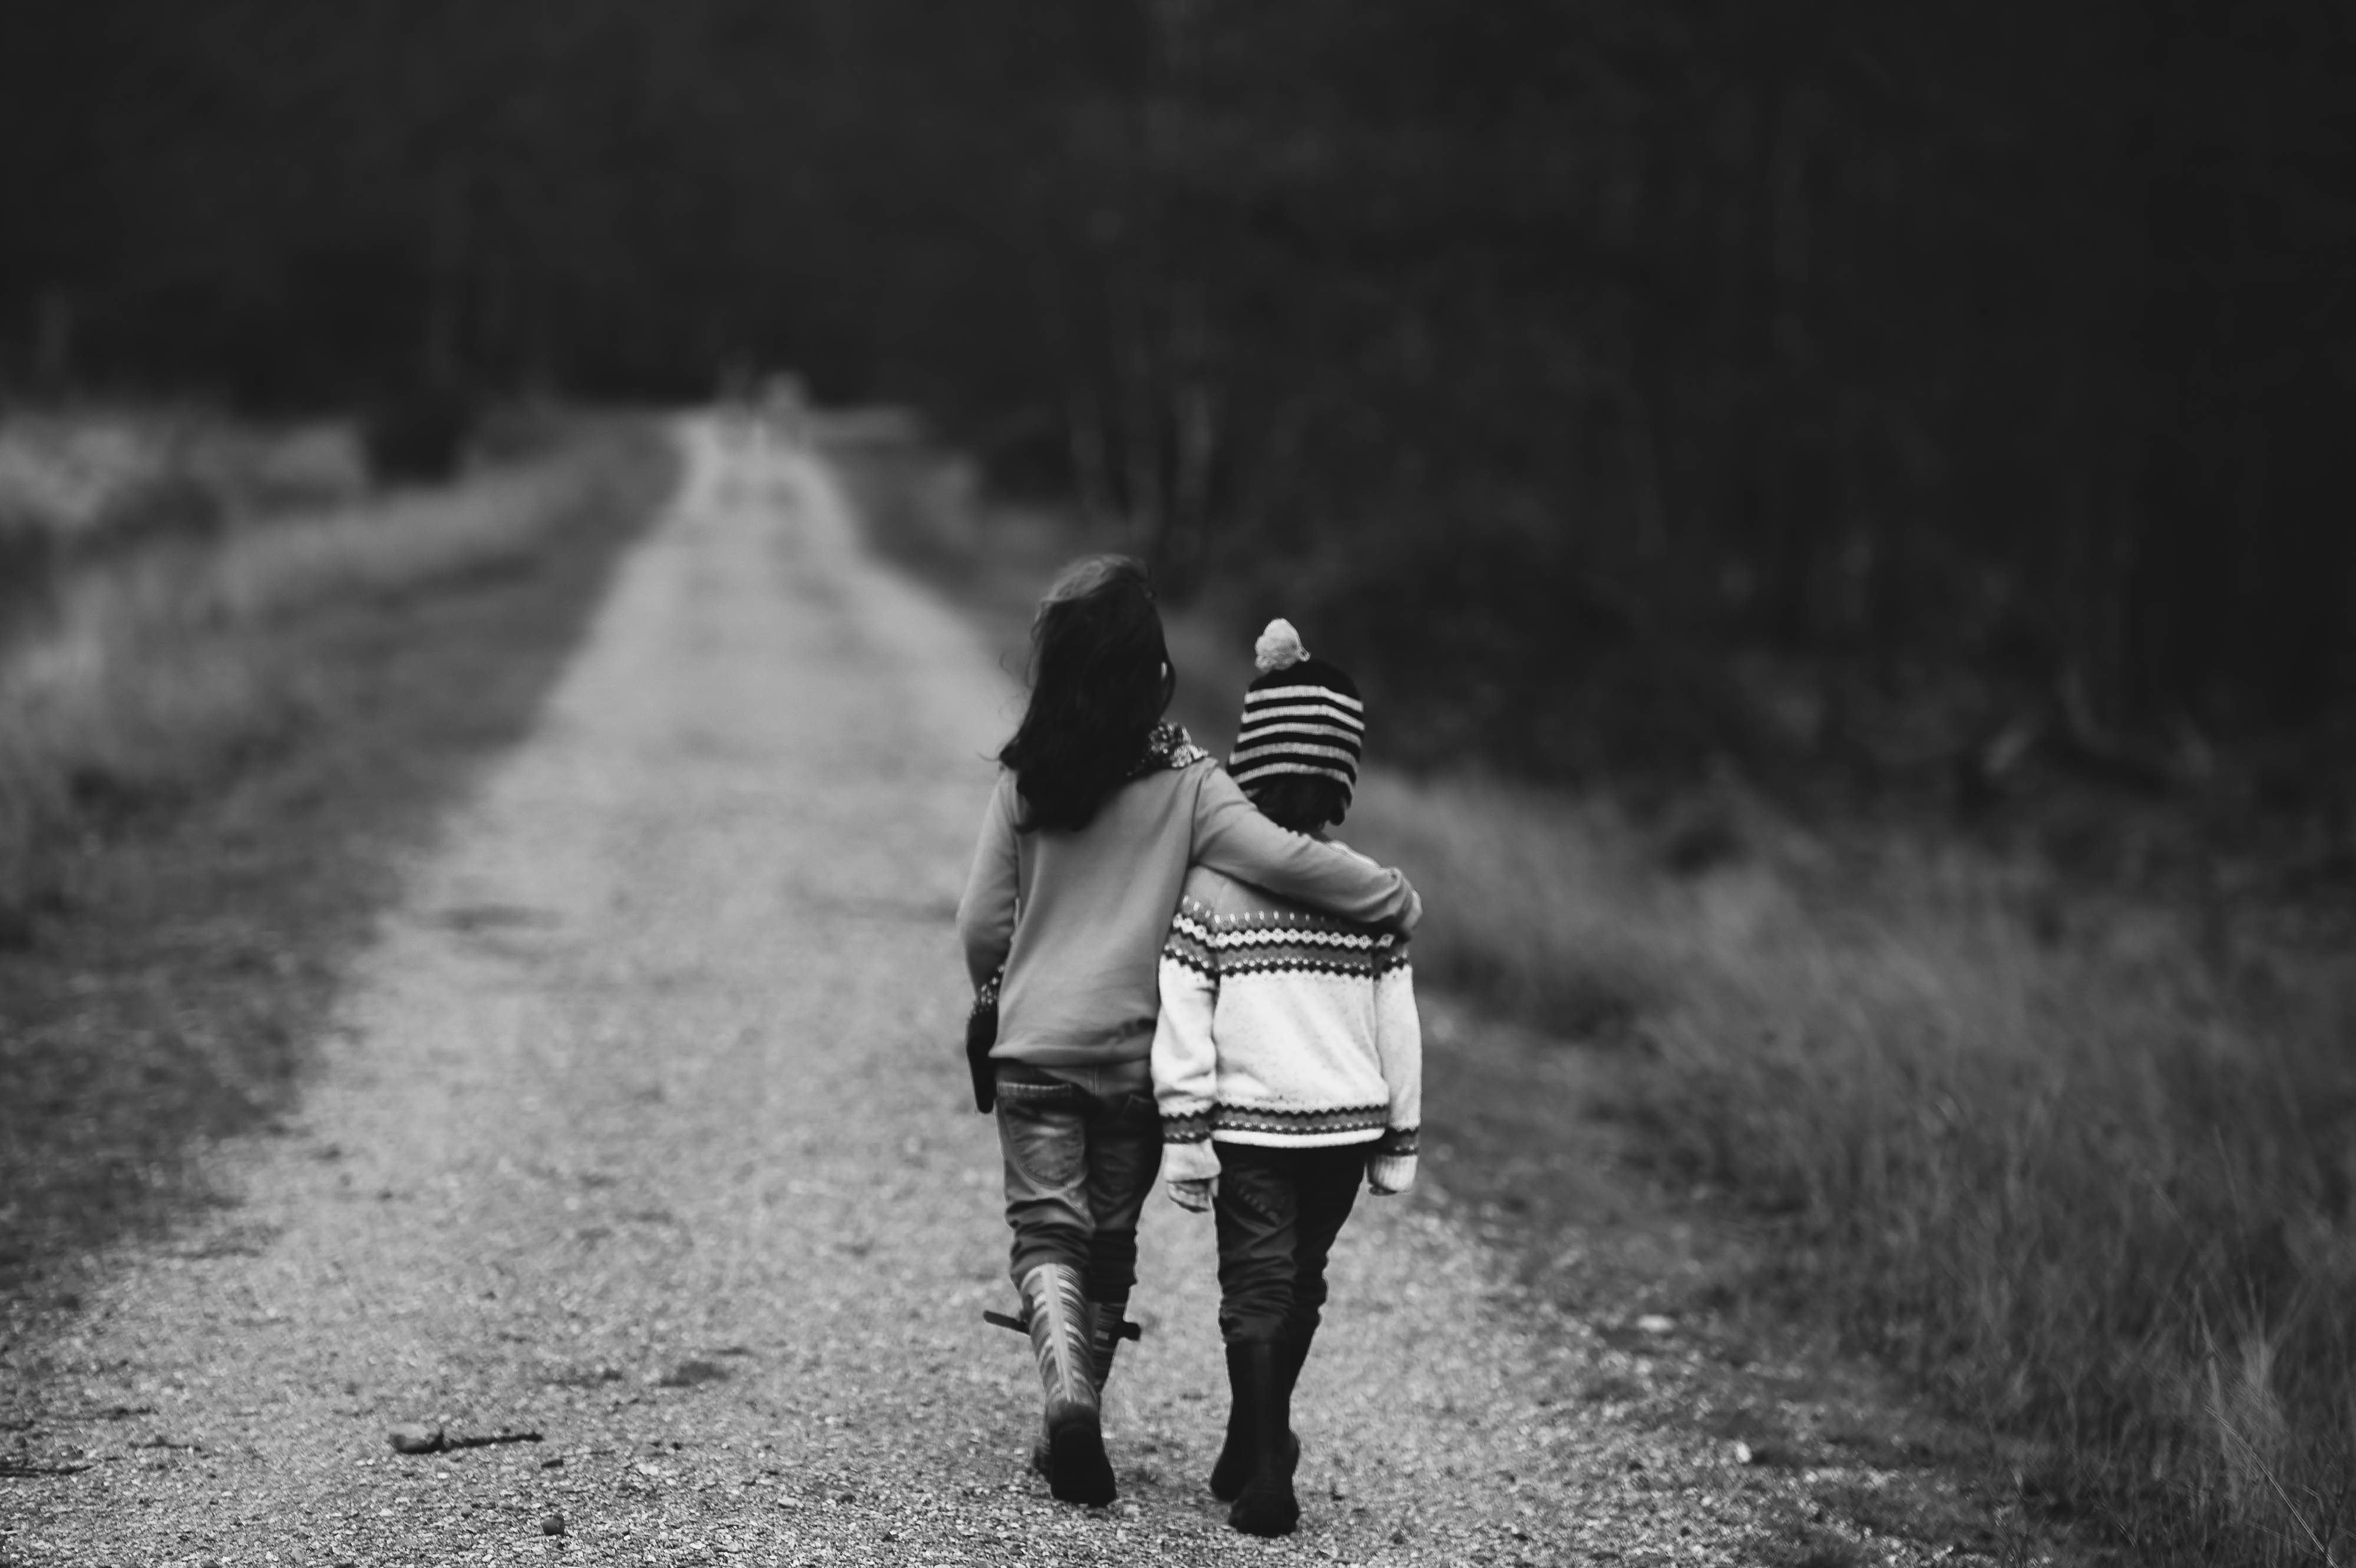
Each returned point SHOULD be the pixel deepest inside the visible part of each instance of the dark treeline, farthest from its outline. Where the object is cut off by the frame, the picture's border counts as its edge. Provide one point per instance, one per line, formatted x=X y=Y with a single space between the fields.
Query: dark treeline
x=1975 y=370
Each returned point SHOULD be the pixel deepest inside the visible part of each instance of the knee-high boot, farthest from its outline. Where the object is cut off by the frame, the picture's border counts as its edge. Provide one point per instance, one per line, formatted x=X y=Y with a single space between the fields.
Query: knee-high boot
x=1077 y=1471
x=1233 y=1463
x=1105 y=1322
x=1267 y=1506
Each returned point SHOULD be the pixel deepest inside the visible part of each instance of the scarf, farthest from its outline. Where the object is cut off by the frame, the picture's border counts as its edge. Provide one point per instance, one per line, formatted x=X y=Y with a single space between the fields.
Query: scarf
x=1167 y=746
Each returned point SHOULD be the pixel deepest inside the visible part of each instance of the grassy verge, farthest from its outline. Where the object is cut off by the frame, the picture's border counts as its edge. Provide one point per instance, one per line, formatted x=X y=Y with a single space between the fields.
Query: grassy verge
x=2077 y=1181
x=212 y=763
x=2055 y=1153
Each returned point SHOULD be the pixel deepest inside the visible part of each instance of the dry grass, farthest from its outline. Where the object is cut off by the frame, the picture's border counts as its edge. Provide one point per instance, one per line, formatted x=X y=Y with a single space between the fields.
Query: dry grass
x=216 y=765
x=2081 y=1182
x=154 y=666
x=83 y=471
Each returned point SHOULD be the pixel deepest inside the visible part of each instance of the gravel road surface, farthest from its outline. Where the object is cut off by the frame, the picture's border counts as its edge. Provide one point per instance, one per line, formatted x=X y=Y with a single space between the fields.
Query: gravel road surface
x=643 y=1129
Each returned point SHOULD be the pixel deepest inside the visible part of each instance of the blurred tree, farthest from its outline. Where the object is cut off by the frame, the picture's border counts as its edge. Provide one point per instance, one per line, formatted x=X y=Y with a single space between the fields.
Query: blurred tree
x=1997 y=348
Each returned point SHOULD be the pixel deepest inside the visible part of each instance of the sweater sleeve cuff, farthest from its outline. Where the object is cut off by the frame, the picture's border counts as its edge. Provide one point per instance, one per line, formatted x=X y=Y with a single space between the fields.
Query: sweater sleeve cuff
x=1190 y=1162
x=1391 y=1173
x=1190 y=1128
x=1395 y=1141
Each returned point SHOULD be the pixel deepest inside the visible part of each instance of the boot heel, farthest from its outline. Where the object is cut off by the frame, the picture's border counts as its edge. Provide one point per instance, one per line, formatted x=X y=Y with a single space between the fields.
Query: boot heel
x=1227 y=1477
x=1234 y=1466
x=1267 y=1506
x=1077 y=1470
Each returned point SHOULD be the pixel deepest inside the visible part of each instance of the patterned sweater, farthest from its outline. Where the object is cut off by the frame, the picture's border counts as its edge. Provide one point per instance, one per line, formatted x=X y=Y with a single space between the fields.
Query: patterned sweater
x=1285 y=1027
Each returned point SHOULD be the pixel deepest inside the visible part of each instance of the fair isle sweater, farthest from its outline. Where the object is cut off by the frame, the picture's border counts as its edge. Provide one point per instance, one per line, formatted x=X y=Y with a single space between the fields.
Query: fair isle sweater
x=1284 y=1028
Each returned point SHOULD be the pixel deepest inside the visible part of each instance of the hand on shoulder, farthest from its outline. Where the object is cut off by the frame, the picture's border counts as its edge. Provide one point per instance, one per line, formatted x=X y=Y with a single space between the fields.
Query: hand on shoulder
x=1412 y=915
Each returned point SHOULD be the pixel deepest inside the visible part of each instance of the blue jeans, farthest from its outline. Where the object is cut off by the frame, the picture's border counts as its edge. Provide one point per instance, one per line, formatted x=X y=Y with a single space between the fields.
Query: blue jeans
x=1081 y=1157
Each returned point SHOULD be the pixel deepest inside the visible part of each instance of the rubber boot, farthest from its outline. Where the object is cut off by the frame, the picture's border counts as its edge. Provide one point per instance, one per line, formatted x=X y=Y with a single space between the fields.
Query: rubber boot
x=1105 y=1319
x=1234 y=1455
x=1077 y=1471
x=1267 y=1506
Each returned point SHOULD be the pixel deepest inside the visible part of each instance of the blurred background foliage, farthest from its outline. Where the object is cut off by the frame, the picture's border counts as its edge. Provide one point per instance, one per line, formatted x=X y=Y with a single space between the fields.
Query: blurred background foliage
x=1620 y=383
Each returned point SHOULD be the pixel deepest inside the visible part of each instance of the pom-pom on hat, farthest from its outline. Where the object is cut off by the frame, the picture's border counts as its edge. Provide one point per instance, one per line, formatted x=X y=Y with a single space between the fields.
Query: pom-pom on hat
x=1302 y=715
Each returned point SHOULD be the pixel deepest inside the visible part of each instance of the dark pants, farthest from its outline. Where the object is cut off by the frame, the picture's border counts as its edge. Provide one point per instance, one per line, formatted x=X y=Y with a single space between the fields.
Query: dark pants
x=1079 y=1165
x=1278 y=1211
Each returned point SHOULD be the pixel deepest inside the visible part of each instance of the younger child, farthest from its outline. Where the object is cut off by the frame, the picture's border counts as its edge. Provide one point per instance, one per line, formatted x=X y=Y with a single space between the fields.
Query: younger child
x=1287 y=1065
x=1099 y=809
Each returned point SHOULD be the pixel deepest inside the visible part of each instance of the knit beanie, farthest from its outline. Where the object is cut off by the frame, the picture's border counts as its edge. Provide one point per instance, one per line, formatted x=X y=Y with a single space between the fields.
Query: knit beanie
x=1302 y=715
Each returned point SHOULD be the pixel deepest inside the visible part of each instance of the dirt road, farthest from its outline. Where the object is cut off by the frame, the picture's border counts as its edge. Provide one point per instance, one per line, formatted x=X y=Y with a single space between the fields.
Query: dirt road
x=643 y=1130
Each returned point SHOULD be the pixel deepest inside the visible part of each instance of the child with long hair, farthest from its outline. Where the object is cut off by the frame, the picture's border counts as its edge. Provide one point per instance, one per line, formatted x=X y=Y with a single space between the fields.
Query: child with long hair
x=1100 y=808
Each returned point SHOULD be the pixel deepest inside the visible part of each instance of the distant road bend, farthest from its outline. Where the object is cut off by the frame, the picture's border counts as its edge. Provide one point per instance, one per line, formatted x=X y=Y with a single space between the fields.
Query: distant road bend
x=642 y=1129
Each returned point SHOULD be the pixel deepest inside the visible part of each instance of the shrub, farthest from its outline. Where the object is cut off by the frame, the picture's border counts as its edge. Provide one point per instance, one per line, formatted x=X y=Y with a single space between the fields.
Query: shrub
x=507 y=431
x=27 y=557
x=173 y=502
x=150 y=669
x=418 y=437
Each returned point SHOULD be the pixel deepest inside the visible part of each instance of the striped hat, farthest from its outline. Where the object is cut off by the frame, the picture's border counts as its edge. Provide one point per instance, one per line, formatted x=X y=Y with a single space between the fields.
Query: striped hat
x=1302 y=715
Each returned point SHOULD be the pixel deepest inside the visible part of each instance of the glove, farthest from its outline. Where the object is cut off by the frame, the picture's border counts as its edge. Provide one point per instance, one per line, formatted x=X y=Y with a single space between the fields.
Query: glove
x=1191 y=1170
x=1388 y=1175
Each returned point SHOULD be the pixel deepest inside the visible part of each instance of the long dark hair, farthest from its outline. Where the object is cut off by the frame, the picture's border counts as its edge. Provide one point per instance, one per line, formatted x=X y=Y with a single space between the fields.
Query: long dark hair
x=1100 y=679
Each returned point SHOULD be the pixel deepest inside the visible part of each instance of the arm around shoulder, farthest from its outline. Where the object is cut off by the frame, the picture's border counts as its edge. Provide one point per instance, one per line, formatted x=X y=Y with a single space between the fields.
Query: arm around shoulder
x=1231 y=836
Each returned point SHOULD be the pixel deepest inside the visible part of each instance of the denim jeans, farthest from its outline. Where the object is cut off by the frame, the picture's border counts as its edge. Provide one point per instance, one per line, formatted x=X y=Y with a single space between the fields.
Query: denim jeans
x=1081 y=1157
x=1278 y=1211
